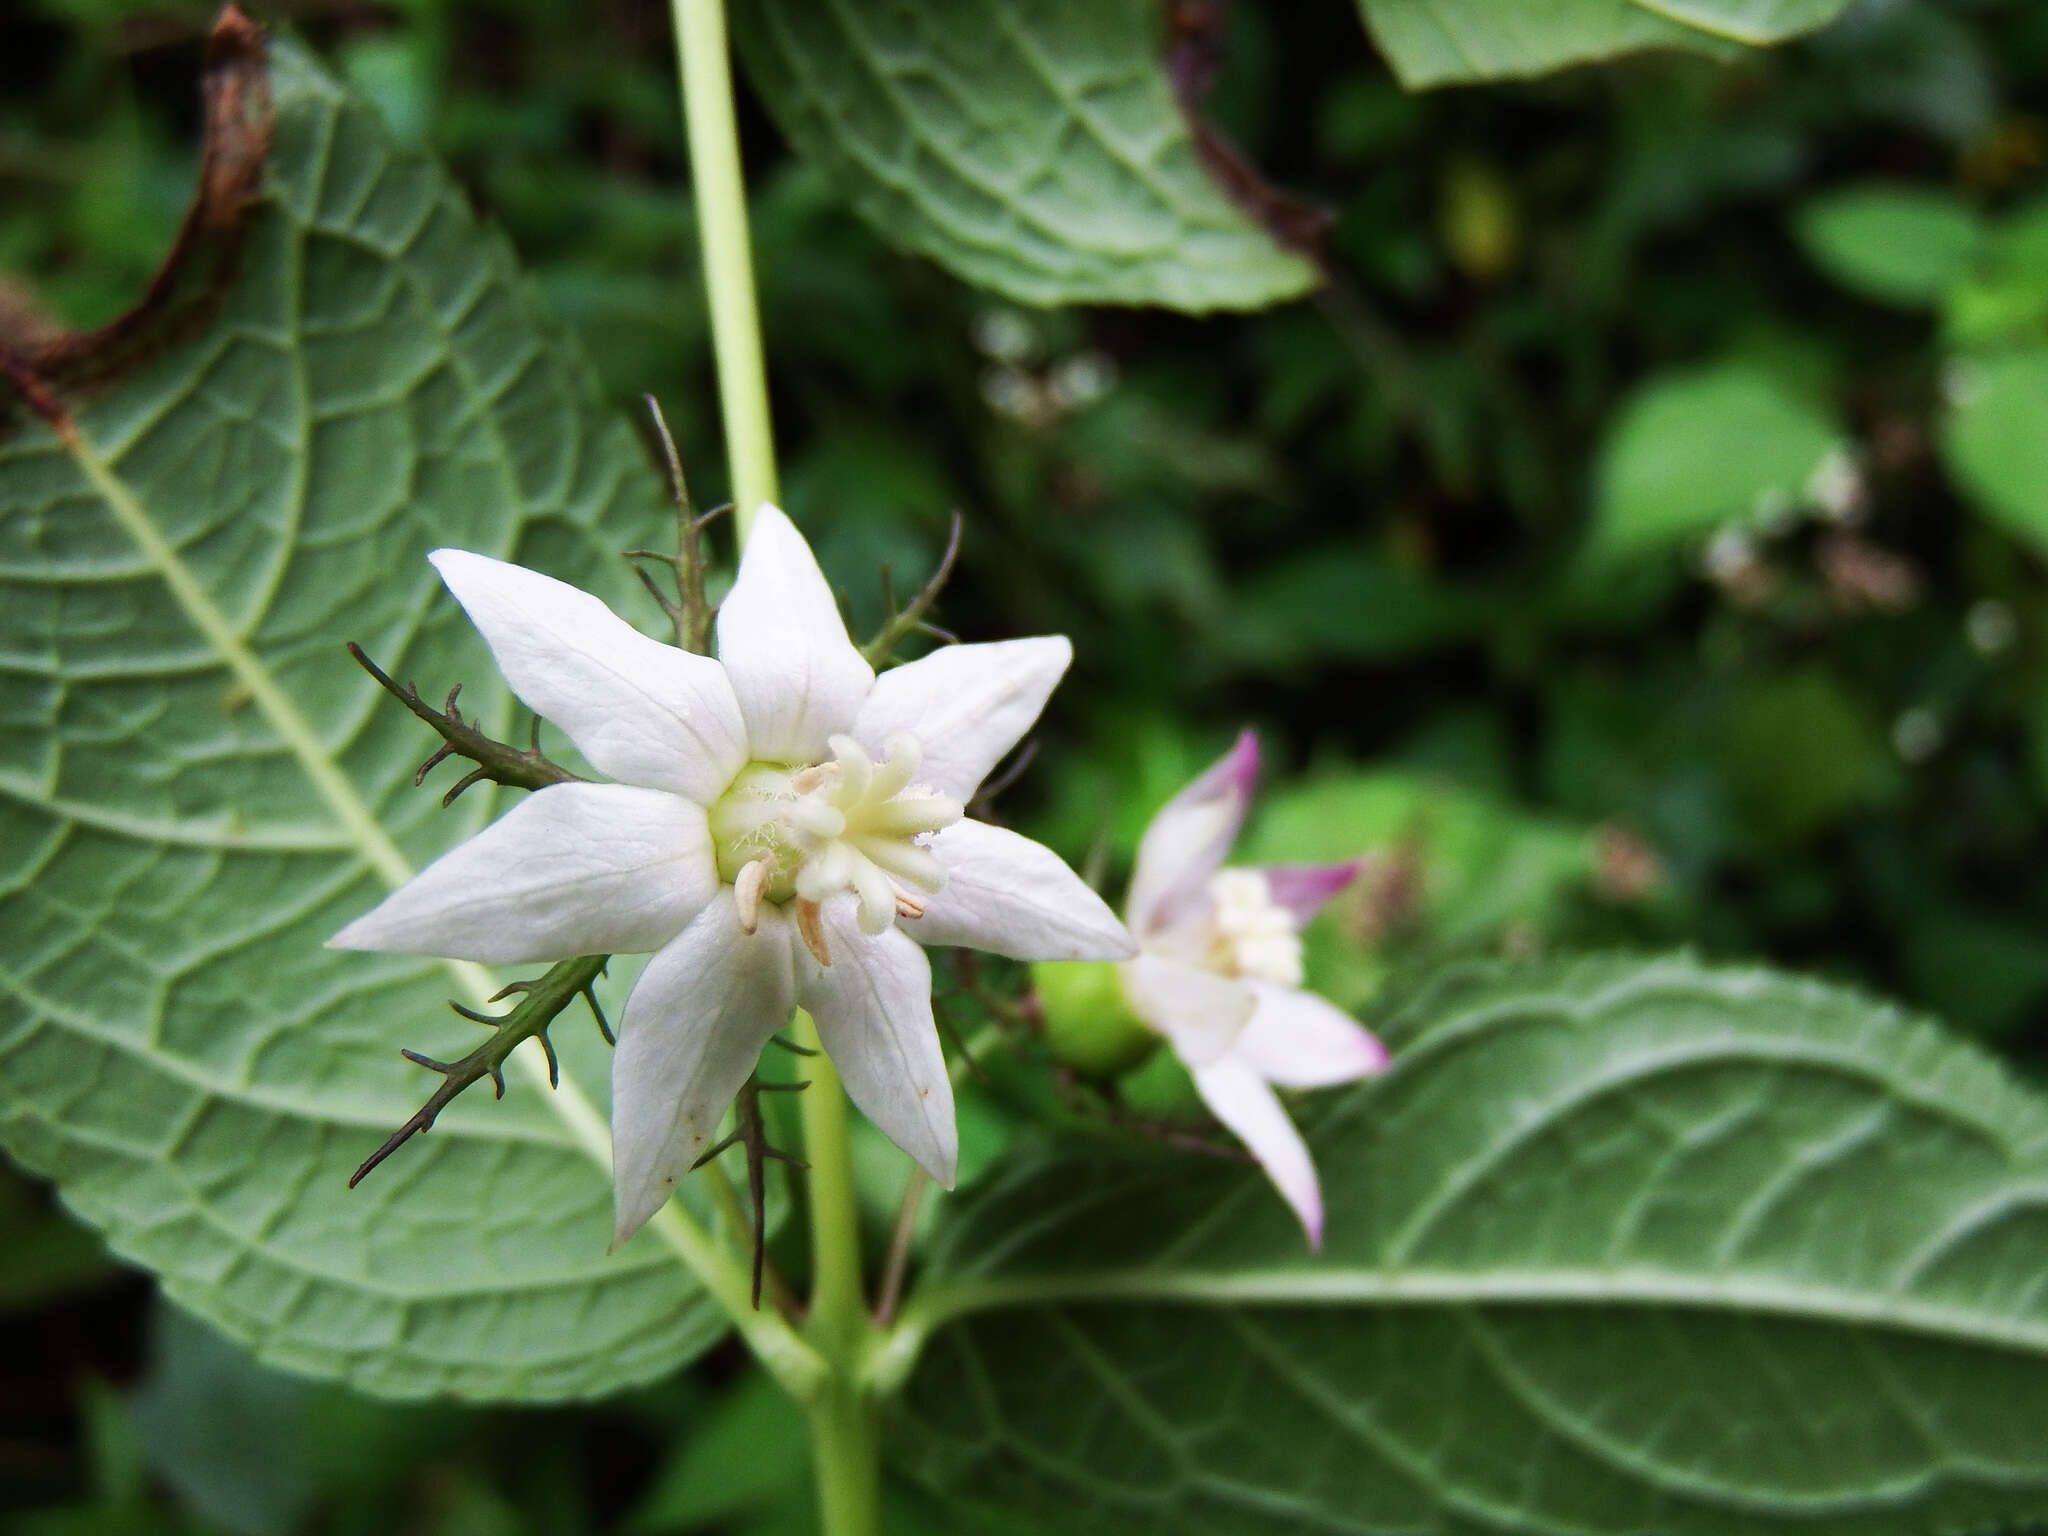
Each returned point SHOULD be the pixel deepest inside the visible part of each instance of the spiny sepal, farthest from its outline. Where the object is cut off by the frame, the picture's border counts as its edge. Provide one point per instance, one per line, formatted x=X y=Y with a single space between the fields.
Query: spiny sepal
x=750 y=1130
x=911 y=617
x=498 y=761
x=541 y=1001
x=688 y=611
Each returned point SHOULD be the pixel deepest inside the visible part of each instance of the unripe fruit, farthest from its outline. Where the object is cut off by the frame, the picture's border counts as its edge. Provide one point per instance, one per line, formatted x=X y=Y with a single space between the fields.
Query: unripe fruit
x=1088 y=1020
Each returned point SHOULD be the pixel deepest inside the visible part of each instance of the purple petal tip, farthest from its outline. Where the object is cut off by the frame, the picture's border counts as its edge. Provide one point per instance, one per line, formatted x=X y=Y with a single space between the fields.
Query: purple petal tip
x=1242 y=763
x=1304 y=889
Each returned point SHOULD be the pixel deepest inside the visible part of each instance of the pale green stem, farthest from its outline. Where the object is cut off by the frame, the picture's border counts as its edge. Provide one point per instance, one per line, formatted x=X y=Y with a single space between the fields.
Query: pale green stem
x=845 y=1441
x=738 y=1229
x=838 y=1312
x=846 y=1451
x=844 y=1438
x=991 y=1038
x=728 y=256
x=890 y=1294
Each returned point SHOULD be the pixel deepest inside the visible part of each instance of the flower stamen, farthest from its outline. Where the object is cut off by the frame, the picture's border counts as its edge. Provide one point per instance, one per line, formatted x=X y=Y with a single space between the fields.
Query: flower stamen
x=1248 y=933
x=811 y=926
x=747 y=887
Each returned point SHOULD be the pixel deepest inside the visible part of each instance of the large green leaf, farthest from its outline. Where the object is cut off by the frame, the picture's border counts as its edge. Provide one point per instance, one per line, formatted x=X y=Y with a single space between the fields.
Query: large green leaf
x=1996 y=438
x=1617 y=1246
x=1692 y=451
x=2003 y=299
x=194 y=779
x=1437 y=42
x=1898 y=244
x=1032 y=147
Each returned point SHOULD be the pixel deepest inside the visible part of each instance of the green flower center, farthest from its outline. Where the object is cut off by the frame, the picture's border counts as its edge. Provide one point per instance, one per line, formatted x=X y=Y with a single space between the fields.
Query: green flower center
x=782 y=832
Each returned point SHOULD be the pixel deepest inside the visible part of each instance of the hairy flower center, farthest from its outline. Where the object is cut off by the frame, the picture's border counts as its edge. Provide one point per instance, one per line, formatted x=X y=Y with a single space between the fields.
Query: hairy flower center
x=846 y=824
x=1249 y=933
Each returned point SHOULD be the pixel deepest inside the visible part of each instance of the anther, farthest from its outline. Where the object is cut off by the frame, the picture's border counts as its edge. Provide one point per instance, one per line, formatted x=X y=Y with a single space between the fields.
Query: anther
x=908 y=905
x=814 y=777
x=747 y=887
x=810 y=925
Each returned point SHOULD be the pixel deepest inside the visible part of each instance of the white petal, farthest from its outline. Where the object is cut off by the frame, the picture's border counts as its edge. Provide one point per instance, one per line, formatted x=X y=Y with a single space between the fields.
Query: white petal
x=641 y=711
x=1011 y=896
x=798 y=677
x=1298 y=1040
x=1200 y=1012
x=573 y=869
x=1188 y=839
x=967 y=705
x=1238 y=1097
x=873 y=1005
x=693 y=1029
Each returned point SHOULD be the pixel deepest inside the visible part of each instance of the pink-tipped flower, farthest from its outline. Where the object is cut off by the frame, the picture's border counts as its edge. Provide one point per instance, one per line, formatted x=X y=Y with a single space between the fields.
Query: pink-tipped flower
x=1219 y=973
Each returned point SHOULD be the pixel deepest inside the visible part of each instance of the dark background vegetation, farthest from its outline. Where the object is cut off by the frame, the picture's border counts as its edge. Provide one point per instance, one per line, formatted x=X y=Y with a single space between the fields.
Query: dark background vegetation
x=1359 y=524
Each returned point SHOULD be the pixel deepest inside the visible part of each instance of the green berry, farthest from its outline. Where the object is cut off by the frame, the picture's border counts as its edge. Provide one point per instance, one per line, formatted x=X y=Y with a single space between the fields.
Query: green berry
x=1088 y=1020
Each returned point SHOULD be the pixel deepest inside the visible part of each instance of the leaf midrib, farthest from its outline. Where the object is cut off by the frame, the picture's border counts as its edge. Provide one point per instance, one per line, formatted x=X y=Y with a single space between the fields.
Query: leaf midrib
x=365 y=836
x=943 y=1300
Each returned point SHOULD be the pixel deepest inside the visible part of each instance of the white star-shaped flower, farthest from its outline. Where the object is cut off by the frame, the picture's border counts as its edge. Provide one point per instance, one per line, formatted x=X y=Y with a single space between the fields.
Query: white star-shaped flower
x=1219 y=973
x=786 y=828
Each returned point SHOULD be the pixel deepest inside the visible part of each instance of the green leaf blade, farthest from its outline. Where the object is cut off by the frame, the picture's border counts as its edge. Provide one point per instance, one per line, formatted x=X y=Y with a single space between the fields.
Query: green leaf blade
x=1899 y=245
x=1445 y=42
x=1032 y=149
x=1696 y=450
x=198 y=788
x=1616 y=1246
x=1995 y=439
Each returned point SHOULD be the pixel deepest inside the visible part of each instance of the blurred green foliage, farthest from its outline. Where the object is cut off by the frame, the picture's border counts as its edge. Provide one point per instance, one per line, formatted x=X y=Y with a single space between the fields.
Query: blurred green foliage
x=1643 y=544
